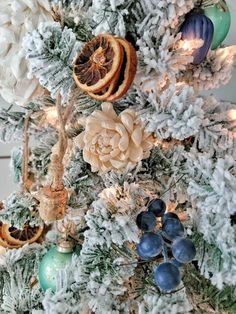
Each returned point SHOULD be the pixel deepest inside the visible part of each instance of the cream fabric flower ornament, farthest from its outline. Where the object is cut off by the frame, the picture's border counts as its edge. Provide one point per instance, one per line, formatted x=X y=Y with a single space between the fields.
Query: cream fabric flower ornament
x=17 y=17
x=113 y=142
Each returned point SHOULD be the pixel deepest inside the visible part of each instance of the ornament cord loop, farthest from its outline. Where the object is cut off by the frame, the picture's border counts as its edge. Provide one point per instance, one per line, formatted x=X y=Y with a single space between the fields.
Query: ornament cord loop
x=53 y=197
x=56 y=167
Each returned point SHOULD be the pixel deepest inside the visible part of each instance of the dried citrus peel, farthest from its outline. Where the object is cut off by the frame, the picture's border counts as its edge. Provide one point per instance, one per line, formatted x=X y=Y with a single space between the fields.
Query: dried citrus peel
x=18 y=237
x=105 y=71
x=4 y=243
x=107 y=91
x=128 y=70
x=97 y=63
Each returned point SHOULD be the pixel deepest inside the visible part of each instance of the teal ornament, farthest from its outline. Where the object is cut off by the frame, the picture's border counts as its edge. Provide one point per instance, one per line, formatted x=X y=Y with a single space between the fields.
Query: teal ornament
x=53 y=261
x=220 y=16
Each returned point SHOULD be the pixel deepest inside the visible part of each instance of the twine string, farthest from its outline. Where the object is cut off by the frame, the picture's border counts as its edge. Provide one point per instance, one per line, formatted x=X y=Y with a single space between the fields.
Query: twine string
x=56 y=166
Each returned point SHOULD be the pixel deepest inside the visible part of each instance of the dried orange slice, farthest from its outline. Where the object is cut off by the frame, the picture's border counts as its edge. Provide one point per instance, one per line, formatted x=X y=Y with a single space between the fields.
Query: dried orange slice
x=97 y=63
x=124 y=76
x=16 y=236
x=107 y=91
x=7 y=245
x=4 y=243
x=127 y=72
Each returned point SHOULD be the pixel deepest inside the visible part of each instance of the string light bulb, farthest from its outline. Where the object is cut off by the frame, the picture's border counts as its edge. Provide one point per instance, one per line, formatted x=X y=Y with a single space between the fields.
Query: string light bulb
x=190 y=45
x=231 y=114
x=51 y=115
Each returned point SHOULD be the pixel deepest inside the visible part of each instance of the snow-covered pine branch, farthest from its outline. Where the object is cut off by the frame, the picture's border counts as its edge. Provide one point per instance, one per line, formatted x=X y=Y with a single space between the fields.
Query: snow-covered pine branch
x=50 y=52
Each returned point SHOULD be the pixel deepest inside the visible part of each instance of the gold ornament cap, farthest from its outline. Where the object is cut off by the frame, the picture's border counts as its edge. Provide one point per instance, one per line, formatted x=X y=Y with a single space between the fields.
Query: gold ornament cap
x=65 y=246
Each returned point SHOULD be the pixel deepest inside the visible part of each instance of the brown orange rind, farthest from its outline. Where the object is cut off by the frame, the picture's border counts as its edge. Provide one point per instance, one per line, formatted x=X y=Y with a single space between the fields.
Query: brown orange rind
x=128 y=70
x=4 y=243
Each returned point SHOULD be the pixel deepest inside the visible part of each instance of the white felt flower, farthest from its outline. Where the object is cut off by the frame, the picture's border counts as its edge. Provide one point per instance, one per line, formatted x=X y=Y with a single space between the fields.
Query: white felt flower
x=112 y=141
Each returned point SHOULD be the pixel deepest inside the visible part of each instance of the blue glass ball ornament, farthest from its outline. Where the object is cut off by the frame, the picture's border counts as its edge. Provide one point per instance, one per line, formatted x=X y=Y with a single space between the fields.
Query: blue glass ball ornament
x=183 y=250
x=167 y=276
x=198 y=26
x=172 y=229
x=157 y=207
x=149 y=246
x=52 y=262
x=146 y=221
x=169 y=215
x=176 y=263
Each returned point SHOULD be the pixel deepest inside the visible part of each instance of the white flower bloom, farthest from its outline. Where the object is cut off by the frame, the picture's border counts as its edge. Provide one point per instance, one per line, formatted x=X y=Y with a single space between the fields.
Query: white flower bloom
x=112 y=141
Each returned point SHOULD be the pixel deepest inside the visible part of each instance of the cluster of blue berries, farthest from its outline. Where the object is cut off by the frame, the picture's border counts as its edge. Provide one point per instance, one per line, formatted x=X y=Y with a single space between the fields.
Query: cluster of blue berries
x=169 y=241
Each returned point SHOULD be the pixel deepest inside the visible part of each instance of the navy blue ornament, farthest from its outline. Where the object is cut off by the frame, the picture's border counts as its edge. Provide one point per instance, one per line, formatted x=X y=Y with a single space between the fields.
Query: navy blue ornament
x=183 y=250
x=172 y=229
x=157 y=207
x=177 y=263
x=198 y=26
x=168 y=216
x=167 y=276
x=149 y=246
x=146 y=221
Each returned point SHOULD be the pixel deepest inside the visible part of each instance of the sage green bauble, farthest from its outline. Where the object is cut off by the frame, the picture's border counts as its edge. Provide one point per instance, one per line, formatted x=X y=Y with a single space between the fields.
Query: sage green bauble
x=53 y=261
x=220 y=16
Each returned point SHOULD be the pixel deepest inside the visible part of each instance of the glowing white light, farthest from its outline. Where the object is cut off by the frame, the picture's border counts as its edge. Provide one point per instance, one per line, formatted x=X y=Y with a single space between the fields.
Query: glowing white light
x=191 y=44
x=51 y=115
x=232 y=114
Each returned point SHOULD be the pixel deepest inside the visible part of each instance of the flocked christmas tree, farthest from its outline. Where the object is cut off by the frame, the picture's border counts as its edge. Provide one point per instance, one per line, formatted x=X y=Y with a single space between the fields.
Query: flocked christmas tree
x=128 y=176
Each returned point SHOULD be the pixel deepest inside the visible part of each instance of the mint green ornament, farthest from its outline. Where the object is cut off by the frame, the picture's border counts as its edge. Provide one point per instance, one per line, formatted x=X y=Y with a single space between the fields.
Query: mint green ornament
x=220 y=16
x=54 y=261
